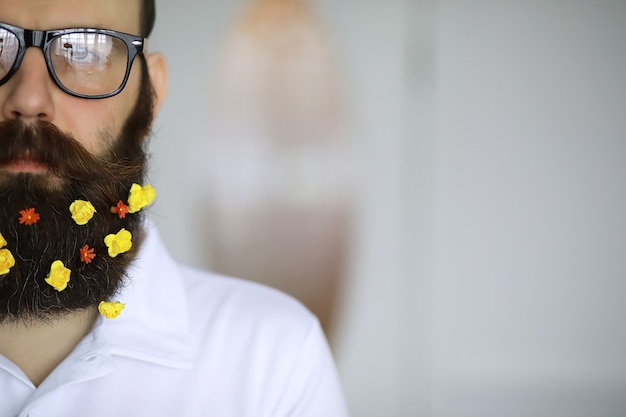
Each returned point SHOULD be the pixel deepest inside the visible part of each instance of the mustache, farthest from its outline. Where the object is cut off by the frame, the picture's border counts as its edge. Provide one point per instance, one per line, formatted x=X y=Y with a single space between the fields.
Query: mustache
x=42 y=142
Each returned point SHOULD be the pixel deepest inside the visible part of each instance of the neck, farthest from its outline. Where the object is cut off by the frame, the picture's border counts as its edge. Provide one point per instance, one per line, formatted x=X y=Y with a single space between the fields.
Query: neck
x=37 y=348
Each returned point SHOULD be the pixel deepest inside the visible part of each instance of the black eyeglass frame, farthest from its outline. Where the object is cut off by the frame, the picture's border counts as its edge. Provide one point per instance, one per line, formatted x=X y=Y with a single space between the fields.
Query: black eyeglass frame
x=42 y=39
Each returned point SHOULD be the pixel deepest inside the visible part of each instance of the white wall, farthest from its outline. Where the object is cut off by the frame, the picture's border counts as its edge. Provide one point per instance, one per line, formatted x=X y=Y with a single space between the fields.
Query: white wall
x=488 y=276
x=530 y=233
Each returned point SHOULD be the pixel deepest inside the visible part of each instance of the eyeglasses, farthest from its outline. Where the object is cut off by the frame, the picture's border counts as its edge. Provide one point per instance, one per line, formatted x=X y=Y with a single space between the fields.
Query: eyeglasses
x=83 y=62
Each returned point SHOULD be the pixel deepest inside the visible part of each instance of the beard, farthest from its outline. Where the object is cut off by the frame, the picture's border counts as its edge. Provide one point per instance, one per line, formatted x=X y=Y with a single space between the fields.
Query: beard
x=72 y=173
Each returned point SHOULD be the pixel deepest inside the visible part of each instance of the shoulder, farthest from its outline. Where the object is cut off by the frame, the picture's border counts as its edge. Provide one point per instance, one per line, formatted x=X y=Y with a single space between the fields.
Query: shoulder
x=256 y=332
x=265 y=343
x=249 y=347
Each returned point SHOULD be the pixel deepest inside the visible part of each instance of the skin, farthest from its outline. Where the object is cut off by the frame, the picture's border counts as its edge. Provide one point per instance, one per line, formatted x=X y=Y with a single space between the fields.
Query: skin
x=37 y=348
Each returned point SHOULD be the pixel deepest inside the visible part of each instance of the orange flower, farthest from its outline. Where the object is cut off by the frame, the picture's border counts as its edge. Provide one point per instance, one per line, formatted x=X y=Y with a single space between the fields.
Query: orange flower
x=28 y=216
x=120 y=209
x=86 y=254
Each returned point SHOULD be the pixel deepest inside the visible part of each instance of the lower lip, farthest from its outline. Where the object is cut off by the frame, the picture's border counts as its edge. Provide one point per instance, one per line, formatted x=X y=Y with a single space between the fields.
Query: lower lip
x=29 y=167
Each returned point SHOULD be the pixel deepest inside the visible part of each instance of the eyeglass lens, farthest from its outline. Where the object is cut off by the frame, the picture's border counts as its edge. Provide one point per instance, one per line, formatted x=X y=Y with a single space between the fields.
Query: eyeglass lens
x=9 y=48
x=86 y=63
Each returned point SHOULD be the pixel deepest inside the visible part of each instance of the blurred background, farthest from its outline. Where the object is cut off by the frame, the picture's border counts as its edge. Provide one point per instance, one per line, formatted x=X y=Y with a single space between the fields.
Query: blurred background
x=441 y=182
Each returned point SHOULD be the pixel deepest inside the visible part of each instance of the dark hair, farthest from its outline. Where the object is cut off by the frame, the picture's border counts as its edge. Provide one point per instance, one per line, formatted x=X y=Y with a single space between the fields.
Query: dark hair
x=148 y=15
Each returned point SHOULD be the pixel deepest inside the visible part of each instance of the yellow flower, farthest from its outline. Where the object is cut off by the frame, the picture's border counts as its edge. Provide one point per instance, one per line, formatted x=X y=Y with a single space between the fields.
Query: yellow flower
x=59 y=276
x=3 y=241
x=82 y=211
x=6 y=260
x=110 y=309
x=119 y=243
x=139 y=197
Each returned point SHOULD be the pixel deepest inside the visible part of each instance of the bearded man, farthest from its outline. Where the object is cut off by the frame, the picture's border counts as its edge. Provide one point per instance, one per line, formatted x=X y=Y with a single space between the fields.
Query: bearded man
x=95 y=318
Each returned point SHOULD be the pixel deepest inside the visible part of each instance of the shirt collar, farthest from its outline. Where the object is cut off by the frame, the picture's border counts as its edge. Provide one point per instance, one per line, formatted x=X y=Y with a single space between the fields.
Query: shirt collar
x=154 y=325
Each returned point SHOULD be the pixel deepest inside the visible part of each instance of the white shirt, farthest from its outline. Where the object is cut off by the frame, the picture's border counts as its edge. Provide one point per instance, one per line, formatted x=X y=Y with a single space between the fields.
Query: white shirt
x=188 y=343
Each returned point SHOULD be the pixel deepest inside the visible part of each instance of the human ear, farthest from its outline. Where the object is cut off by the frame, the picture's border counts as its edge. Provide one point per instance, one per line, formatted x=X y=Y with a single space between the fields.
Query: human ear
x=157 y=69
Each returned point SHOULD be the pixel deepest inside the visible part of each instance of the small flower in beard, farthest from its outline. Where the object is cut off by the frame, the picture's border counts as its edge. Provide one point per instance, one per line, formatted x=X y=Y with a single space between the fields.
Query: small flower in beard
x=82 y=211
x=119 y=243
x=6 y=261
x=120 y=209
x=110 y=309
x=87 y=254
x=28 y=216
x=6 y=257
x=59 y=276
x=140 y=197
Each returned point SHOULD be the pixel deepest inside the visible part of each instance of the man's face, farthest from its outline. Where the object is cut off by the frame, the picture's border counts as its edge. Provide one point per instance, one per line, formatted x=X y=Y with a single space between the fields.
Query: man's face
x=87 y=149
x=32 y=95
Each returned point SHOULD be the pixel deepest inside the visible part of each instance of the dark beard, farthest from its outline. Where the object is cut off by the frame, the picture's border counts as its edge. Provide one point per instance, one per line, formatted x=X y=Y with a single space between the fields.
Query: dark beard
x=73 y=174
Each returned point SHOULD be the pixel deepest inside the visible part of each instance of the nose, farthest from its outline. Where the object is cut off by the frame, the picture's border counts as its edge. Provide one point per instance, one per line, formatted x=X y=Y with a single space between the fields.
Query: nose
x=29 y=91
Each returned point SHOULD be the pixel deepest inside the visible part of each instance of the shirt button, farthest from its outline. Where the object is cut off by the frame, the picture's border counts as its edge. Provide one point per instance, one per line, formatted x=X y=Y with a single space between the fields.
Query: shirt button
x=91 y=357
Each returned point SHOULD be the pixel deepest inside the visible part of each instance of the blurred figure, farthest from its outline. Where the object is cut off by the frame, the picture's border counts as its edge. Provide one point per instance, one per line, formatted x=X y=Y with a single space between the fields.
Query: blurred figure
x=280 y=181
